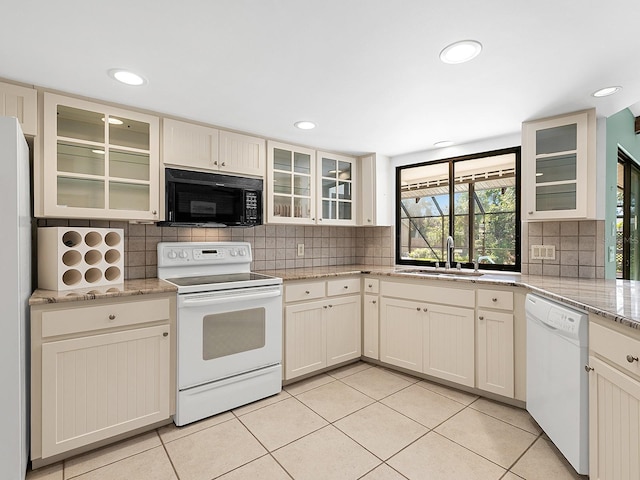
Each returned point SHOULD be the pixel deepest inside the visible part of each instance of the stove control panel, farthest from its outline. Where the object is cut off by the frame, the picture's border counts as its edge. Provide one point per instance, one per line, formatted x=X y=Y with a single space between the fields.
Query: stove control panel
x=204 y=253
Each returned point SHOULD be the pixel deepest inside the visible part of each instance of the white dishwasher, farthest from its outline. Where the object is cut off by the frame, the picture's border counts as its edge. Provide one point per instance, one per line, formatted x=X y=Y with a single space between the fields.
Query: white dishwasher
x=557 y=383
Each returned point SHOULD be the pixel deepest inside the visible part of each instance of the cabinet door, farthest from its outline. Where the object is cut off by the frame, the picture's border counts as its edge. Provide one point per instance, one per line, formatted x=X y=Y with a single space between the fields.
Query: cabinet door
x=290 y=184
x=344 y=327
x=242 y=154
x=336 y=189
x=188 y=145
x=22 y=103
x=305 y=339
x=559 y=163
x=374 y=179
x=614 y=424
x=401 y=333
x=449 y=343
x=99 y=161
x=494 y=341
x=99 y=386
x=371 y=326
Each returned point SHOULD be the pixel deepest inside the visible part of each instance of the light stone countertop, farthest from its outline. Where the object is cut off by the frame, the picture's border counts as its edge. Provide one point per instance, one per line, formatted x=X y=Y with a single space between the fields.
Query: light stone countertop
x=617 y=300
x=145 y=286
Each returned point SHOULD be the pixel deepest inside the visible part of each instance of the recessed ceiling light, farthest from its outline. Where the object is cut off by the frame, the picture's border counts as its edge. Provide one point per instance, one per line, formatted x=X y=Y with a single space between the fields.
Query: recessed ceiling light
x=114 y=121
x=305 y=125
x=443 y=143
x=605 y=92
x=460 y=52
x=127 y=77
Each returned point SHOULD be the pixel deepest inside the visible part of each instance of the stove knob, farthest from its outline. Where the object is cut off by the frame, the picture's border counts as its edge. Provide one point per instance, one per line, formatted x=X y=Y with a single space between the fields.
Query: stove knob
x=172 y=254
x=242 y=252
x=234 y=253
x=183 y=254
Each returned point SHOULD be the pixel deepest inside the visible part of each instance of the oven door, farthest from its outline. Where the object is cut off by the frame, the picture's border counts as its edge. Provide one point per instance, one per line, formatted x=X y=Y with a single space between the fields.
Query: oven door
x=226 y=333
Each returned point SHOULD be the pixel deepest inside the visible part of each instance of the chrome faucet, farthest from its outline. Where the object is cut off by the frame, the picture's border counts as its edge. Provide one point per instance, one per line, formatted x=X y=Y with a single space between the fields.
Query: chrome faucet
x=450 y=248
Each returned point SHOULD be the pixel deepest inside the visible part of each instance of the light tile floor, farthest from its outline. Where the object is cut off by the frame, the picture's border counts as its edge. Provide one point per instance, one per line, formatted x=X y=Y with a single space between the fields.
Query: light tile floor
x=356 y=422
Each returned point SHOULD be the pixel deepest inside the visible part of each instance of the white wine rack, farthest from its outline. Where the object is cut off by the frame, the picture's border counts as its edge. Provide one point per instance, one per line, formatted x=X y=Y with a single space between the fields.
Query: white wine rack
x=74 y=257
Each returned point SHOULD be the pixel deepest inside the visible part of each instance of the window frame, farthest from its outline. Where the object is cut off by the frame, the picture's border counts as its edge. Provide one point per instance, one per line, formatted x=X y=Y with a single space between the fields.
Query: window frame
x=516 y=267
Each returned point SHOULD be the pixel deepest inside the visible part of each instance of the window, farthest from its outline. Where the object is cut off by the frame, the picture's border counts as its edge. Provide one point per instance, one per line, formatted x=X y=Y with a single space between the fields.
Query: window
x=475 y=199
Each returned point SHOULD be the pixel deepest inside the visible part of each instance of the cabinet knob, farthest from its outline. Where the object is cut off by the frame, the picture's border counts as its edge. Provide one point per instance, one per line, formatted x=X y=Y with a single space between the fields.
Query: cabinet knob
x=425 y=309
x=153 y=212
x=587 y=368
x=480 y=317
x=165 y=334
x=307 y=292
x=224 y=164
x=314 y=219
x=330 y=306
x=319 y=219
x=215 y=163
x=369 y=220
x=631 y=359
x=418 y=308
x=374 y=301
x=113 y=317
x=346 y=287
x=324 y=306
x=530 y=212
x=371 y=285
x=494 y=299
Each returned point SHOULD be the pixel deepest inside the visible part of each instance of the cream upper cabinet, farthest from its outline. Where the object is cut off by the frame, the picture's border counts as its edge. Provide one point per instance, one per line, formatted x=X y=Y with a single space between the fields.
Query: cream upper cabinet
x=559 y=167
x=614 y=401
x=22 y=103
x=98 y=162
x=336 y=199
x=290 y=184
x=375 y=187
x=242 y=154
x=188 y=145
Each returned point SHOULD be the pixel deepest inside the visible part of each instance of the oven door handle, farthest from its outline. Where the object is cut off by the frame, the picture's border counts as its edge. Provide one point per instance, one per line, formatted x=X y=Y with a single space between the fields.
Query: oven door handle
x=201 y=300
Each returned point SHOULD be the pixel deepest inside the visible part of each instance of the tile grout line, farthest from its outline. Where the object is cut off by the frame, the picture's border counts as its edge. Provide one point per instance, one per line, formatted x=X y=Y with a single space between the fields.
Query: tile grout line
x=167 y=452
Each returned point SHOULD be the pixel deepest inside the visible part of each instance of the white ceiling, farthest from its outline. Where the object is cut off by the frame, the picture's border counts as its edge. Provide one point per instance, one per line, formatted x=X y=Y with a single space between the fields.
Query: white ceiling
x=366 y=71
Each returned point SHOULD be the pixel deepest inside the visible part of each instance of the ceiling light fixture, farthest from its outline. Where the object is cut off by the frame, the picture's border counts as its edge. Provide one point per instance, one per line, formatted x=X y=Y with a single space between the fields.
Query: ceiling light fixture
x=443 y=143
x=304 y=125
x=127 y=77
x=460 y=52
x=605 y=92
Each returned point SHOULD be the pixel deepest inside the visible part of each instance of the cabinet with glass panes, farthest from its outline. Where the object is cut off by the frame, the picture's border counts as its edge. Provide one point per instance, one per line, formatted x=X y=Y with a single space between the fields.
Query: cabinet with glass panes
x=290 y=184
x=98 y=162
x=559 y=177
x=336 y=199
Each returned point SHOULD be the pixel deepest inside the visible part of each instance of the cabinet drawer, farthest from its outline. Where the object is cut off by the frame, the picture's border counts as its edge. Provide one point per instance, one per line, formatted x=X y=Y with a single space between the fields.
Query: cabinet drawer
x=303 y=291
x=343 y=286
x=495 y=299
x=371 y=285
x=615 y=347
x=85 y=319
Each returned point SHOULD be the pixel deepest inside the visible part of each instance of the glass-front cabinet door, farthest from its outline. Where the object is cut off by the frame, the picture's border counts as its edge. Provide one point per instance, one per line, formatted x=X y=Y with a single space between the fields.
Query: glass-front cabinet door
x=291 y=176
x=336 y=186
x=99 y=161
x=559 y=166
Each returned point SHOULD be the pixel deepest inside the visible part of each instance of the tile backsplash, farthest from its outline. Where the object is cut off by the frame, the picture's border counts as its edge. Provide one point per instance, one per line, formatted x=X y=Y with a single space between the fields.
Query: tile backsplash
x=579 y=248
x=273 y=246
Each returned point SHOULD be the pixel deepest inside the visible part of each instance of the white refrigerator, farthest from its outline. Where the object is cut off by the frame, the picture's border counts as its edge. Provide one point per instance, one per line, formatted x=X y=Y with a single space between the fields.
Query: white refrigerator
x=15 y=289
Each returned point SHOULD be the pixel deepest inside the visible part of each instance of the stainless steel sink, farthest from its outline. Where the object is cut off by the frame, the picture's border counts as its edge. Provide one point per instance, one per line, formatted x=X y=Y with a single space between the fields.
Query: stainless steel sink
x=438 y=272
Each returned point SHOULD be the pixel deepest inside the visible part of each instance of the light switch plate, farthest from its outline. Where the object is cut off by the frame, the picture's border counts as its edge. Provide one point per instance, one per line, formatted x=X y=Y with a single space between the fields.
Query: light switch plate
x=301 y=249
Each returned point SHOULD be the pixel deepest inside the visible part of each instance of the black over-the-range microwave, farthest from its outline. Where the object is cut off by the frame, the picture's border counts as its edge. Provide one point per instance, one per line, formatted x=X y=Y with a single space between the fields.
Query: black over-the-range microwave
x=198 y=199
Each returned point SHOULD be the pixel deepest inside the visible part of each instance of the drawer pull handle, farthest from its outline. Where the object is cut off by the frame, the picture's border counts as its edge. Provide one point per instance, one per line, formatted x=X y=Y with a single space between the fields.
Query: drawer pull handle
x=307 y=292
x=587 y=368
x=480 y=317
x=112 y=317
x=165 y=334
x=494 y=299
x=371 y=285
x=631 y=359
x=374 y=302
x=346 y=286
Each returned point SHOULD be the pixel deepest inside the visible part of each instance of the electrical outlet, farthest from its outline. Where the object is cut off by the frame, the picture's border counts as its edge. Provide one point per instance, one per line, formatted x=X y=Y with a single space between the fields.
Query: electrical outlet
x=301 y=249
x=543 y=252
x=612 y=253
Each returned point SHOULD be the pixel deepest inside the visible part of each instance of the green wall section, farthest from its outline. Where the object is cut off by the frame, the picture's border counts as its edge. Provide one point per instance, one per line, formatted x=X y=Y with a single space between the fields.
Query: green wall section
x=620 y=132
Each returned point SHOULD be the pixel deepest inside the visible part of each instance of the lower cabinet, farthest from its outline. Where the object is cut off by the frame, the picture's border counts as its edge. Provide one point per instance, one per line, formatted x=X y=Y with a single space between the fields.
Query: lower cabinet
x=100 y=369
x=425 y=337
x=323 y=332
x=448 y=339
x=371 y=326
x=495 y=360
x=614 y=404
